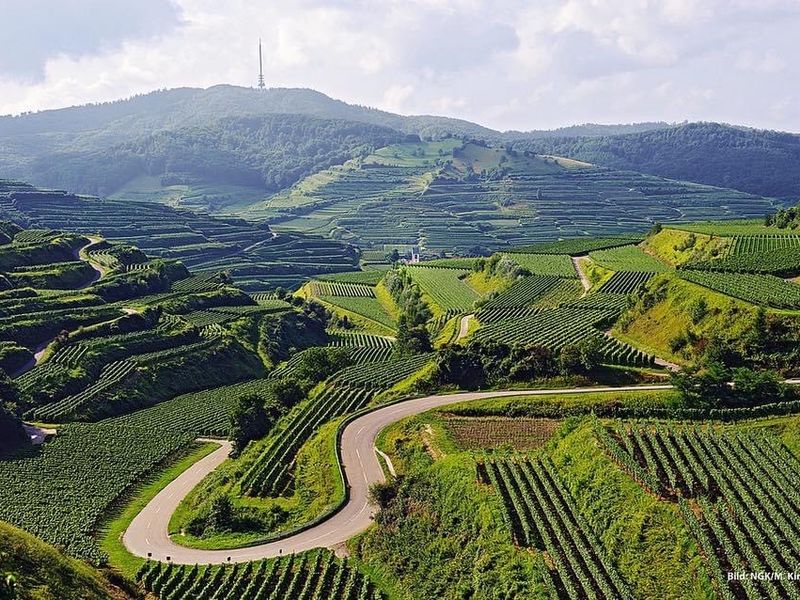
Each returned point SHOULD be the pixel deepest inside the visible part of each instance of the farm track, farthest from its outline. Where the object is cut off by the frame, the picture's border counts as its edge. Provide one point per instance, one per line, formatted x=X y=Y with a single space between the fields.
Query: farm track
x=80 y=254
x=587 y=285
x=148 y=533
x=463 y=327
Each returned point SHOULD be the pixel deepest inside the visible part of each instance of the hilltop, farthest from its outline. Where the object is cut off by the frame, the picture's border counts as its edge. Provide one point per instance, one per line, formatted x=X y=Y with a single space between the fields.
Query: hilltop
x=752 y=160
x=229 y=143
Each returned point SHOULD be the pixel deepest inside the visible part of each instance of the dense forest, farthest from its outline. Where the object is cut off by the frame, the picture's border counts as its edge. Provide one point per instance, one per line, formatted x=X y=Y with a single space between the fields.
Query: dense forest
x=756 y=161
x=271 y=151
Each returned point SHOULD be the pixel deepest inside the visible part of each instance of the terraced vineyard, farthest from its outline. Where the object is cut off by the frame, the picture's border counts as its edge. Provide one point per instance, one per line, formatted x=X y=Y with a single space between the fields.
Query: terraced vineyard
x=579 y=245
x=315 y=575
x=380 y=376
x=271 y=473
x=417 y=202
x=542 y=515
x=366 y=307
x=555 y=328
x=782 y=261
x=556 y=265
x=766 y=290
x=625 y=282
x=354 y=290
x=524 y=292
x=627 y=258
x=749 y=244
x=738 y=493
x=104 y=460
x=445 y=286
x=255 y=256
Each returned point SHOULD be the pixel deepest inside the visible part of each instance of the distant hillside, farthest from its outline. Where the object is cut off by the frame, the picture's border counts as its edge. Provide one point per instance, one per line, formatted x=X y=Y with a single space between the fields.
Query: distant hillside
x=100 y=125
x=586 y=130
x=39 y=571
x=756 y=161
x=268 y=152
x=261 y=141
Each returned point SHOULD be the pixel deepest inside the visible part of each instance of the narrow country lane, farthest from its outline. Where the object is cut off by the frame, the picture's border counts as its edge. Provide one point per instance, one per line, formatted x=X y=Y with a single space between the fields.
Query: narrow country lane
x=147 y=535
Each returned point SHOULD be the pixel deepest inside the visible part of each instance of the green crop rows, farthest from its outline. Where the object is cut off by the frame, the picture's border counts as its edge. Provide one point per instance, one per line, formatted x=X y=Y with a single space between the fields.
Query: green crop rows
x=747 y=244
x=541 y=514
x=628 y=258
x=366 y=307
x=354 y=290
x=524 y=292
x=577 y=246
x=758 y=289
x=315 y=575
x=380 y=376
x=271 y=473
x=555 y=328
x=87 y=466
x=782 y=261
x=746 y=491
x=557 y=265
x=445 y=287
x=625 y=282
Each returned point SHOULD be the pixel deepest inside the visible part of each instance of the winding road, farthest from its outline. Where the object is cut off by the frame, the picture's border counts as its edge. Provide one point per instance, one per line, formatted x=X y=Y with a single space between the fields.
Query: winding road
x=147 y=535
x=81 y=253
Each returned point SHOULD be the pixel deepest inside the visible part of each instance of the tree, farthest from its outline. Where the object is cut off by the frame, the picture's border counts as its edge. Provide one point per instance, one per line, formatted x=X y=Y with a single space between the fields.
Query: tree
x=249 y=421
x=221 y=516
x=412 y=339
x=317 y=364
x=462 y=366
x=569 y=359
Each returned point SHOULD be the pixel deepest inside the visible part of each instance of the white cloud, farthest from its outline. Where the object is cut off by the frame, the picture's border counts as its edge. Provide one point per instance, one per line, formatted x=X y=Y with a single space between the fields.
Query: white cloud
x=506 y=64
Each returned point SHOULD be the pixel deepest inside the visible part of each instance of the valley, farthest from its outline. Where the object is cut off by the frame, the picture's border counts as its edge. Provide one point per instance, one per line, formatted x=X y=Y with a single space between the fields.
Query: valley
x=341 y=353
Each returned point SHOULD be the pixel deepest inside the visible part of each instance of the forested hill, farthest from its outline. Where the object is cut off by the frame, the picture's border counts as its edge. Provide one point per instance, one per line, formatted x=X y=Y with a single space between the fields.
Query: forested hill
x=269 y=152
x=756 y=161
x=266 y=140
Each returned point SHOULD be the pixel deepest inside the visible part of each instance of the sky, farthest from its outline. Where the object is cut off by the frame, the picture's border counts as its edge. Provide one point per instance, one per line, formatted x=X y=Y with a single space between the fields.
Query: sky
x=507 y=64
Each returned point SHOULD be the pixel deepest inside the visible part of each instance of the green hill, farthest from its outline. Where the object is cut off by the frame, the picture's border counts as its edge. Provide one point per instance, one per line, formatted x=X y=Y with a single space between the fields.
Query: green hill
x=40 y=572
x=756 y=161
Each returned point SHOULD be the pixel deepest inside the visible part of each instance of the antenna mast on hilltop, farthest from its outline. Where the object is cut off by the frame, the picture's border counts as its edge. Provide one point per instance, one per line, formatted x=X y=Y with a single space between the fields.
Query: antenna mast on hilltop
x=260 y=67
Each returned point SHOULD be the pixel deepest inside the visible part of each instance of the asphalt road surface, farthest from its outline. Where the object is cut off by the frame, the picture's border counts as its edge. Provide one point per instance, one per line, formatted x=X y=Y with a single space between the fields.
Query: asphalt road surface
x=148 y=532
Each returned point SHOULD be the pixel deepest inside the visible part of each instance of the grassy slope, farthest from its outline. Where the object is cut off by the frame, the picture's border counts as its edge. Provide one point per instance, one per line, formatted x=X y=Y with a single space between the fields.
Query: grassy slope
x=644 y=536
x=596 y=274
x=652 y=328
x=452 y=542
x=43 y=573
x=317 y=488
x=668 y=245
x=444 y=537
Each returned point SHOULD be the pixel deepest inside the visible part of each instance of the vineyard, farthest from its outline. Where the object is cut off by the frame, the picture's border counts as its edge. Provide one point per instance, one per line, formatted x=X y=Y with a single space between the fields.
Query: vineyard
x=315 y=575
x=367 y=307
x=381 y=376
x=783 y=261
x=766 y=290
x=542 y=515
x=738 y=493
x=749 y=244
x=577 y=246
x=556 y=265
x=627 y=258
x=555 y=328
x=524 y=292
x=354 y=290
x=445 y=286
x=86 y=467
x=625 y=282
x=271 y=473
